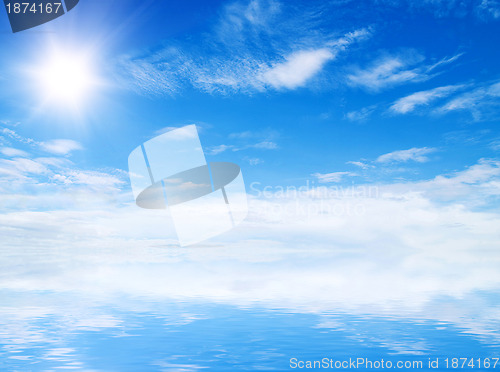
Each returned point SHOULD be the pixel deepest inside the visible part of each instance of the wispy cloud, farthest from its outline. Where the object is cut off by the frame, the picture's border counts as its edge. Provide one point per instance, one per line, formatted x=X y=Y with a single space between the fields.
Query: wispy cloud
x=54 y=146
x=484 y=170
x=247 y=140
x=362 y=114
x=60 y=146
x=13 y=134
x=256 y=46
x=19 y=168
x=489 y=8
x=495 y=145
x=388 y=71
x=219 y=149
x=480 y=102
x=24 y=173
x=483 y=10
x=254 y=161
x=392 y=70
x=93 y=179
x=334 y=177
x=52 y=173
x=368 y=168
x=414 y=154
x=9 y=123
x=243 y=20
x=444 y=61
x=409 y=103
x=266 y=145
x=242 y=135
x=12 y=152
x=360 y=164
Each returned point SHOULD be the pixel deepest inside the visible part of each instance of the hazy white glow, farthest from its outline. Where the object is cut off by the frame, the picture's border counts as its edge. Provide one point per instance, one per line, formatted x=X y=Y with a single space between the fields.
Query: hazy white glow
x=66 y=78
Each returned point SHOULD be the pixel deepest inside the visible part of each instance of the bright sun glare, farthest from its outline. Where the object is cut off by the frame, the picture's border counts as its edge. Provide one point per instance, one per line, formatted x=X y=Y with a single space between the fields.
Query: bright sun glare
x=66 y=78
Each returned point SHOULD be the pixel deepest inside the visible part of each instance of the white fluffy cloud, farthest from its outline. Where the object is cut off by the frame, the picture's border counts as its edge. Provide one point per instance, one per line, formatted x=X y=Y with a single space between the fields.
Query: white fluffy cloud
x=404 y=221
x=298 y=68
x=382 y=249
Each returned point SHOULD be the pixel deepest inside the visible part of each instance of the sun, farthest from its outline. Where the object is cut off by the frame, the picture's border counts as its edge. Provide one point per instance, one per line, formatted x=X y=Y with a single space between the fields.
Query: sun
x=65 y=78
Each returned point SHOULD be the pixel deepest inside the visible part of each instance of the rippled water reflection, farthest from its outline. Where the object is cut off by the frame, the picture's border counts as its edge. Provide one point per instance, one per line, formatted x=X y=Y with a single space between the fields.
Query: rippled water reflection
x=48 y=331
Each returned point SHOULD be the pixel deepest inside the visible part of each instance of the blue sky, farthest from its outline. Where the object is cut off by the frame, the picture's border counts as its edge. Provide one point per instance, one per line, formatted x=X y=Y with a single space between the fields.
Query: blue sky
x=397 y=100
x=315 y=88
